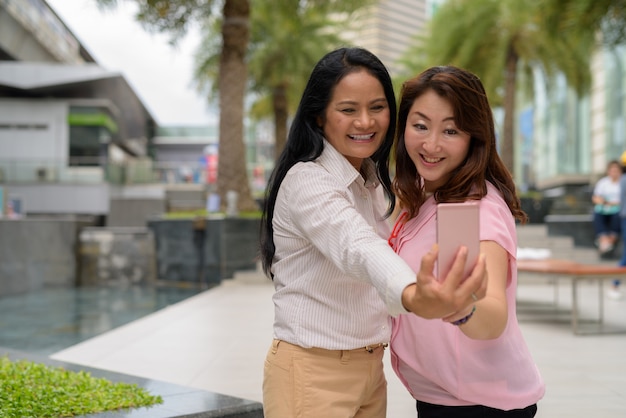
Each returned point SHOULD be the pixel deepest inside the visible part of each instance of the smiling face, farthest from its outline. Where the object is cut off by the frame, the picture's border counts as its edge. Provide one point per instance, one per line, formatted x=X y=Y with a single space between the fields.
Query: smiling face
x=357 y=117
x=434 y=143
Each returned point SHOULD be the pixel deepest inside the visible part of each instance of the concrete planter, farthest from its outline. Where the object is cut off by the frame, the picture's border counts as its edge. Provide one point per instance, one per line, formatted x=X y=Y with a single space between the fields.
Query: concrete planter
x=227 y=245
x=122 y=255
x=38 y=252
x=178 y=401
x=536 y=209
x=579 y=227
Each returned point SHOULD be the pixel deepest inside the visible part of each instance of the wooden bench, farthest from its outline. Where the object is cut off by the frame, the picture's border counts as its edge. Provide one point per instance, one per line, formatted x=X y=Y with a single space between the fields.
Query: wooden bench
x=576 y=273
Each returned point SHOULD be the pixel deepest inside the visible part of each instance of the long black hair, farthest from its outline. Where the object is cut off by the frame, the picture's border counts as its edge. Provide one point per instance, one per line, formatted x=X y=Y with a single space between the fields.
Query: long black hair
x=305 y=140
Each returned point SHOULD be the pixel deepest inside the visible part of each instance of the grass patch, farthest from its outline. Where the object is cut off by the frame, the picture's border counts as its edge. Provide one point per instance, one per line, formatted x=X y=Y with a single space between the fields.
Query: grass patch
x=29 y=389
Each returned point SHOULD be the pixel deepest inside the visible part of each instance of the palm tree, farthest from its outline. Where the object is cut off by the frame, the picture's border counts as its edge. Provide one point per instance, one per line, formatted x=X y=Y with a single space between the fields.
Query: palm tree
x=232 y=172
x=175 y=16
x=287 y=40
x=498 y=38
x=605 y=17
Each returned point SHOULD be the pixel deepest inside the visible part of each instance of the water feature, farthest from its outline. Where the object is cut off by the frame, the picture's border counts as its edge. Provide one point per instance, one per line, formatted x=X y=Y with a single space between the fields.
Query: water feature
x=45 y=321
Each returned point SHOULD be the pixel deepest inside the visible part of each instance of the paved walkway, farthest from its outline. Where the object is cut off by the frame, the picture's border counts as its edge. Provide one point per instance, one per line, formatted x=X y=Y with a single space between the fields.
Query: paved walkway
x=217 y=341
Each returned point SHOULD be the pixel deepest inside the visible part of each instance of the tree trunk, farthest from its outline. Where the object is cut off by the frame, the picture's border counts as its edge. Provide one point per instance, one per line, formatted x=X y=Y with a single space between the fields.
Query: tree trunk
x=507 y=149
x=279 y=101
x=232 y=171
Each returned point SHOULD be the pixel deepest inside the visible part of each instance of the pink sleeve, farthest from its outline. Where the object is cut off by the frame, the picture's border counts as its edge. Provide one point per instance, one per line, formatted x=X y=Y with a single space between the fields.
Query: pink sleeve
x=496 y=221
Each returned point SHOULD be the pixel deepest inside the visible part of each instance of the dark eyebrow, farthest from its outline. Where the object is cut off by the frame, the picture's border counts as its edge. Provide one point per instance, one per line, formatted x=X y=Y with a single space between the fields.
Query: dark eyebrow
x=427 y=118
x=354 y=103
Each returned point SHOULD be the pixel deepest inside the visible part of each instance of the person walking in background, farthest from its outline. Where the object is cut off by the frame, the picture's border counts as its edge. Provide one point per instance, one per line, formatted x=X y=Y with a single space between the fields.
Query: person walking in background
x=615 y=290
x=324 y=244
x=479 y=366
x=606 y=200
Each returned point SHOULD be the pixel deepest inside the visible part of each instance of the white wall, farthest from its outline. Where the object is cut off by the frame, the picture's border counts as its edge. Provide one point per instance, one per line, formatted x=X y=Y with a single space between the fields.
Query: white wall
x=59 y=198
x=35 y=134
x=34 y=130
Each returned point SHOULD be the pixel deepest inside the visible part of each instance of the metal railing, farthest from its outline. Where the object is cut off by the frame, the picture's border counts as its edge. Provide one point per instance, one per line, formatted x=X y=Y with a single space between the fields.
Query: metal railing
x=92 y=170
x=84 y=170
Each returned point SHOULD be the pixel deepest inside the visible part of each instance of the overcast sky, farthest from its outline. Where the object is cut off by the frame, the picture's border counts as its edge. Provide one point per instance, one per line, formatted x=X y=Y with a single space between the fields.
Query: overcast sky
x=160 y=74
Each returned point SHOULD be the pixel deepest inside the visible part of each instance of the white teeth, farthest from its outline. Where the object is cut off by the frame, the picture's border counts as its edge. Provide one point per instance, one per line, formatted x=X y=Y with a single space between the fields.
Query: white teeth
x=361 y=137
x=432 y=160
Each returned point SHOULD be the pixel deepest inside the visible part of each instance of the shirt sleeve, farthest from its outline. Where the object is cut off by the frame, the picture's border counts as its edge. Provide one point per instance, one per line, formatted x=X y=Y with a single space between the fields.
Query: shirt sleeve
x=497 y=222
x=325 y=212
x=598 y=190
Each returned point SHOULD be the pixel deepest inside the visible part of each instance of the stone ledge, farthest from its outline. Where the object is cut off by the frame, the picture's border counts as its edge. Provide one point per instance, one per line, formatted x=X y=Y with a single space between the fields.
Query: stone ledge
x=580 y=227
x=577 y=226
x=178 y=401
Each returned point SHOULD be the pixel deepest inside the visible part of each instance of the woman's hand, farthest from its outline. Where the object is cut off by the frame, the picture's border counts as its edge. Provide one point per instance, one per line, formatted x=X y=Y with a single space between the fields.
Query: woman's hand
x=452 y=297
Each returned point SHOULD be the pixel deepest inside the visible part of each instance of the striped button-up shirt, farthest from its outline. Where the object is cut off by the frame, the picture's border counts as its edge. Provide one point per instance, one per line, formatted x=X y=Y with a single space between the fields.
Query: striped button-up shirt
x=336 y=278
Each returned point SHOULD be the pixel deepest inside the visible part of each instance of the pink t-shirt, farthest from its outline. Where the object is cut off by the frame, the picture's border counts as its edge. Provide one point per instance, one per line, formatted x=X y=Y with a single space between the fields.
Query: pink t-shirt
x=437 y=362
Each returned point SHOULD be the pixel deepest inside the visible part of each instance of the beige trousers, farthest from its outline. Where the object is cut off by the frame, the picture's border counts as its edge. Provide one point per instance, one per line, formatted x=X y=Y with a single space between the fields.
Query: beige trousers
x=316 y=383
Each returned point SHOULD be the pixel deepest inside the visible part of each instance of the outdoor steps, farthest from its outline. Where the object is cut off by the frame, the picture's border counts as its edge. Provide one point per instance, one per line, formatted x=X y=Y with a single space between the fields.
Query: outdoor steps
x=529 y=236
x=562 y=247
x=533 y=236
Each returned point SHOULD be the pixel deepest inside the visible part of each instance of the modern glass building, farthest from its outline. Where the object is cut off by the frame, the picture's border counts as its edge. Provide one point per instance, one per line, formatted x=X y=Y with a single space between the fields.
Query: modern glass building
x=387 y=28
x=573 y=138
x=562 y=139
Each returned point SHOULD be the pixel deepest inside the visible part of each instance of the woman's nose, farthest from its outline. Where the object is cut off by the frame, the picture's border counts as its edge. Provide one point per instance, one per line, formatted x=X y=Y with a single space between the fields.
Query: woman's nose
x=364 y=120
x=431 y=142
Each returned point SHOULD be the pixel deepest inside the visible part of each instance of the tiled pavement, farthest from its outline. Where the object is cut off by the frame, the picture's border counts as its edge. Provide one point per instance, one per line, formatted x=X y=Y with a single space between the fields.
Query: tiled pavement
x=217 y=340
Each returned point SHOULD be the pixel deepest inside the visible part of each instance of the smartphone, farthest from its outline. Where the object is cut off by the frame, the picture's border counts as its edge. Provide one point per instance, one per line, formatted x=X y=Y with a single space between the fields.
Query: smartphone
x=457 y=225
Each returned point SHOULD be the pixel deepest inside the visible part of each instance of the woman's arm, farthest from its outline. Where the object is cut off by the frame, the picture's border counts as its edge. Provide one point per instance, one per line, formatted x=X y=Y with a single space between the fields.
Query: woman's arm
x=491 y=315
x=324 y=213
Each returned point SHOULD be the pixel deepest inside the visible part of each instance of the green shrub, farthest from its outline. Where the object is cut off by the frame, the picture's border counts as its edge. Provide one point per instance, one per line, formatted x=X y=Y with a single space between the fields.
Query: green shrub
x=29 y=389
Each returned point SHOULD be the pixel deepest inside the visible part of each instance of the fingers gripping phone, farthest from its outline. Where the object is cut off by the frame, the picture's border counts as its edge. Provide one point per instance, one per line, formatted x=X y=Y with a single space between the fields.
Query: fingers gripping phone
x=457 y=225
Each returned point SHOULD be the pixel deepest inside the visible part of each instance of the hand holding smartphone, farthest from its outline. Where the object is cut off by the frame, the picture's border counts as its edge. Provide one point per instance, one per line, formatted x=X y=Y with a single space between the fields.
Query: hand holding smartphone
x=457 y=225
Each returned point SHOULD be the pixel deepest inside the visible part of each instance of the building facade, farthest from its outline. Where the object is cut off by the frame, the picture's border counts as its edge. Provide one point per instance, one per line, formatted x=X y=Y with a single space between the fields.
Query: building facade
x=575 y=137
x=388 y=27
x=563 y=141
x=70 y=131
